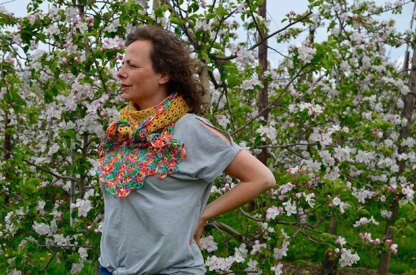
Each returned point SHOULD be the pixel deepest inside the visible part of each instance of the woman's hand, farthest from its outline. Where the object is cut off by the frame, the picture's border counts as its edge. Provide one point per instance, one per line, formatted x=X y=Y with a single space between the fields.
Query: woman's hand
x=198 y=232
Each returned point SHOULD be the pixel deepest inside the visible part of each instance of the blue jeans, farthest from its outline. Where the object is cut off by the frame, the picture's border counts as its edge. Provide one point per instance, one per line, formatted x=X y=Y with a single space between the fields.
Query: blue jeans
x=104 y=271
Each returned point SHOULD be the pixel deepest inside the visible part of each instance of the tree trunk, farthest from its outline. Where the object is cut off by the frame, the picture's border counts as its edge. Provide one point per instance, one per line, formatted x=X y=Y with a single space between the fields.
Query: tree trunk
x=8 y=148
x=81 y=184
x=329 y=266
x=263 y=99
x=409 y=105
x=388 y=234
x=204 y=80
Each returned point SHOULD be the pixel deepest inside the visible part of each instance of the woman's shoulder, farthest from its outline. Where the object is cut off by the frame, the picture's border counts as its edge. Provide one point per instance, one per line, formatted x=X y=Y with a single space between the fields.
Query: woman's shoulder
x=190 y=119
x=193 y=122
x=192 y=125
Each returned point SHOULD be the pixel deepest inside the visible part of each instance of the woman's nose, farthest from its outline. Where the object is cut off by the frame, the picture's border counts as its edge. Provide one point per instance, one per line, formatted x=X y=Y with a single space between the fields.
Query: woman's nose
x=121 y=73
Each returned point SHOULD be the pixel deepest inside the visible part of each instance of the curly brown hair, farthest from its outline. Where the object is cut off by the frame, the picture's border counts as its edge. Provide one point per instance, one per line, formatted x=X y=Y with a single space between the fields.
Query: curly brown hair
x=170 y=55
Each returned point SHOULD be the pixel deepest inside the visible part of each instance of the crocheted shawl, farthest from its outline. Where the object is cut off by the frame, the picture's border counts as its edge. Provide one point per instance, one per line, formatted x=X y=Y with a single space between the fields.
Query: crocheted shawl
x=139 y=144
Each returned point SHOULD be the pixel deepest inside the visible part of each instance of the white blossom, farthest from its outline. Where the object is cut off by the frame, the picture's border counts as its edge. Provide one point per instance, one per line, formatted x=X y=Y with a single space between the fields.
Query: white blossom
x=341 y=241
x=251 y=84
x=362 y=194
x=290 y=208
x=113 y=26
x=306 y=53
x=208 y=244
x=240 y=253
x=267 y=131
x=348 y=258
x=279 y=253
x=53 y=29
x=113 y=43
x=53 y=149
x=386 y=213
x=252 y=265
x=277 y=269
x=84 y=206
x=77 y=267
x=393 y=248
x=215 y=263
x=273 y=212
x=365 y=220
x=60 y=240
x=71 y=13
x=257 y=247
x=40 y=206
x=342 y=205
x=54 y=13
x=222 y=120
x=357 y=37
x=41 y=228
x=309 y=198
x=14 y=271
x=83 y=253
x=245 y=57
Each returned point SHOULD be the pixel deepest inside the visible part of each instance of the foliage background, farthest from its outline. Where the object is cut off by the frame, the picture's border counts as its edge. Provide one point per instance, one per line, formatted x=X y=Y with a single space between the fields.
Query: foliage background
x=333 y=120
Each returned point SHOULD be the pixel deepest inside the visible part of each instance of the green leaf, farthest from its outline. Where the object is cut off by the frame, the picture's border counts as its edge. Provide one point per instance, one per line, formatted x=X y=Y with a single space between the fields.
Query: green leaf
x=363 y=213
x=158 y=12
x=326 y=236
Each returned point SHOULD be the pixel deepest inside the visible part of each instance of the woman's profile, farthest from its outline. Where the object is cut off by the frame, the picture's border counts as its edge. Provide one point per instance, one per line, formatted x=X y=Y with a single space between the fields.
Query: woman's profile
x=158 y=161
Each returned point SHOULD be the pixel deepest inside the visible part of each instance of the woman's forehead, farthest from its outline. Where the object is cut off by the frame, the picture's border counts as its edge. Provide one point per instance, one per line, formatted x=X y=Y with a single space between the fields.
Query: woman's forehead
x=140 y=46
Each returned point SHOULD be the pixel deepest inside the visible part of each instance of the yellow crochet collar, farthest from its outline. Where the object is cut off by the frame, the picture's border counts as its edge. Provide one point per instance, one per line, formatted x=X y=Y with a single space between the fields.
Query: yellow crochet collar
x=177 y=109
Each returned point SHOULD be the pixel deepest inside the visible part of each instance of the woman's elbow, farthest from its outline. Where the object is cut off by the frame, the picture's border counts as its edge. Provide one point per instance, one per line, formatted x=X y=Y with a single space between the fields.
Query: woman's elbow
x=269 y=180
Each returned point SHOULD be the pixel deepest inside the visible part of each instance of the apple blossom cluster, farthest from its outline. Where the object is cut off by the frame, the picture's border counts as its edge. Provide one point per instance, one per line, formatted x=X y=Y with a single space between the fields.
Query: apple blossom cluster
x=251 y=84
x=306 y=53
x=277 y=269
x=217 y=264
x=83 y=206
x=273 y=212
x=312 y=109
x=268 y=132
x=336 y=202
x=257 y=247
x=365 y=220
x=113 y=43
x=362 y=194
x=347 y=257
x=12 y=222
x=334 y=134
x=222 y=120
x=214 y=263
x=208 y=244
x=280 y=252
x=244 y=56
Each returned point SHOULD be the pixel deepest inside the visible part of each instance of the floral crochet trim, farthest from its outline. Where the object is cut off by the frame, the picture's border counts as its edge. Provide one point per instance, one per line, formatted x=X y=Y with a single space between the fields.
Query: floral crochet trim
x=126 y=160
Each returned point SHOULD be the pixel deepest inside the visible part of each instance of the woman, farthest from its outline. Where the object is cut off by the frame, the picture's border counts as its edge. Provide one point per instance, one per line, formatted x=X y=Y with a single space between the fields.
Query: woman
x=158 y=161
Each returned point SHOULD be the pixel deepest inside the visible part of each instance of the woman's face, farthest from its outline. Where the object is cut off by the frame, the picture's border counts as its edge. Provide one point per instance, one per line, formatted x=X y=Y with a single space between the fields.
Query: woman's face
x=139 y=82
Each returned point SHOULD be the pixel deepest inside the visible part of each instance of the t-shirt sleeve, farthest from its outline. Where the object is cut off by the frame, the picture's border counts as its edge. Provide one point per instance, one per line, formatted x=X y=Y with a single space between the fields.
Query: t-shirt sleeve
x=208 y=155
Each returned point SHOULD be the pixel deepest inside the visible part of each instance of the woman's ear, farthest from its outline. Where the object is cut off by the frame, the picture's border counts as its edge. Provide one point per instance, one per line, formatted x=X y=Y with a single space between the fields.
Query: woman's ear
x=164 y=78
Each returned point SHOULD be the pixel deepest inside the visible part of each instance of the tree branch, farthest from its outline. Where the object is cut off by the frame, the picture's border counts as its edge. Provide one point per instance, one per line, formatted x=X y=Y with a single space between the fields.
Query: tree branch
x=272 y=103
x=267 y=37
x=40 y=167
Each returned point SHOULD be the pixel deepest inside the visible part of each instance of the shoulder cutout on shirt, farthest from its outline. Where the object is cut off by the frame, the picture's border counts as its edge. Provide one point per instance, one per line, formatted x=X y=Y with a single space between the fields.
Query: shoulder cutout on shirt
x=215 y=131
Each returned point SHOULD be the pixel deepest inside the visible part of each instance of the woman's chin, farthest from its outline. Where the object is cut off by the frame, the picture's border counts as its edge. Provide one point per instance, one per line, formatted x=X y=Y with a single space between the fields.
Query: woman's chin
x=125 y=96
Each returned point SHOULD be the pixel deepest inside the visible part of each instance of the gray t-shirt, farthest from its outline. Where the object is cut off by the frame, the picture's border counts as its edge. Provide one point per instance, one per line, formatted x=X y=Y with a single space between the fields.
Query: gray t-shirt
x=148 y=232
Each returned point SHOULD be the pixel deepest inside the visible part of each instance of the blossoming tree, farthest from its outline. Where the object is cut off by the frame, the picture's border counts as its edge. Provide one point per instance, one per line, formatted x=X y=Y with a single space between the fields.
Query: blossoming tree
x=333 y=120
